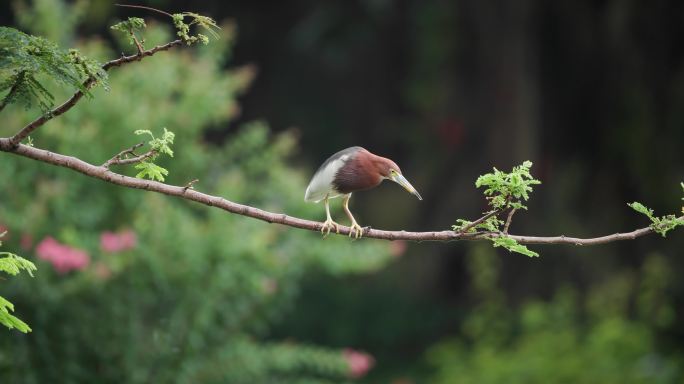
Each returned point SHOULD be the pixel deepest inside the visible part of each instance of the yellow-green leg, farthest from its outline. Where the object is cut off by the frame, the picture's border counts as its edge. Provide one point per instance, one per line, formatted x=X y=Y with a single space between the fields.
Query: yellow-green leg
x=328 y=223
x=355 y=228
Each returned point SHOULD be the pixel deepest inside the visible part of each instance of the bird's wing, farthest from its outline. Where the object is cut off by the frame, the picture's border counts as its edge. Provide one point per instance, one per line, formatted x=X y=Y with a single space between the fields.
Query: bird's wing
x=321 y=183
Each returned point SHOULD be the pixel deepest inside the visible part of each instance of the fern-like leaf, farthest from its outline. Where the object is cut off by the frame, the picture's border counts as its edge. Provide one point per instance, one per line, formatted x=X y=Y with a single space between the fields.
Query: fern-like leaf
x=25 y=58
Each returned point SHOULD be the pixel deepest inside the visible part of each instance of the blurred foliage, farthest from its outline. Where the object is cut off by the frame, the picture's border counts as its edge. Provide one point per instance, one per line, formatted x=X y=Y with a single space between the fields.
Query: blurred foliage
x=599 y=336
x=12 y=265
x=56 y=20
x=192 y=296
x=590 y=91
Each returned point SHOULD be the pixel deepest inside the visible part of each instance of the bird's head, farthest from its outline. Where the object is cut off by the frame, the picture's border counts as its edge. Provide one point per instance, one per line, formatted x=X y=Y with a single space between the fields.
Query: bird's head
x=391 y=171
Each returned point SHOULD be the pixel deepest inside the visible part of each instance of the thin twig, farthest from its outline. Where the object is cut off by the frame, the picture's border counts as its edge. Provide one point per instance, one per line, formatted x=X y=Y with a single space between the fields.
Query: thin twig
x=144 y=7
x=136 y=159
x=508 y=220
x=191 y=184
x=485 y=217
x=138 y=45
x=67 y=105
x=121 y=159
x=478 y=221
x=120 y=155
x=102 y=173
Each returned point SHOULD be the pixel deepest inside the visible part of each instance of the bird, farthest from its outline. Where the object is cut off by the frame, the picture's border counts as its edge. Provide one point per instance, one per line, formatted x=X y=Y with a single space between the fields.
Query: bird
x=350 y=170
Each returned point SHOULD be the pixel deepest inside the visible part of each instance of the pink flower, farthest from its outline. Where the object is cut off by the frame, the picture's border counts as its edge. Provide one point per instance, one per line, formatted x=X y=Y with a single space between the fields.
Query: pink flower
x=359 y=362
x=118 y=242
x=62 y=257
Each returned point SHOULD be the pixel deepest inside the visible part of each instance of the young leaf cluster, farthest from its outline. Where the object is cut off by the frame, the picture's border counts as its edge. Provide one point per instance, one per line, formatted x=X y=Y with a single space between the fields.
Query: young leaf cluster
x=662 y=224
x=504 y=191
x=26 y=60
x=159 y=145
x=130 y=27
x=12 y=265
x=183 y=29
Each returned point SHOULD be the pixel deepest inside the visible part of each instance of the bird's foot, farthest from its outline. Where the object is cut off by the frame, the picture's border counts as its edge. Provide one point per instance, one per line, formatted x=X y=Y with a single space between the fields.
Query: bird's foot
x=327 y=226
x=355 y=230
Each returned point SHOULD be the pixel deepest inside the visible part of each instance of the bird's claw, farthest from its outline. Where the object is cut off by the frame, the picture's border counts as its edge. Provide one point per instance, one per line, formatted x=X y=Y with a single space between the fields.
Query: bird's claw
x=355 y=230
x=327 y=226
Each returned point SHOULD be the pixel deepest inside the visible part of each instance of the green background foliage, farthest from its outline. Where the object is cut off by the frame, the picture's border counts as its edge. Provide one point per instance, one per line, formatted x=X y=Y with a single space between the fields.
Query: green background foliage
x=195 y=299
x=446 y=89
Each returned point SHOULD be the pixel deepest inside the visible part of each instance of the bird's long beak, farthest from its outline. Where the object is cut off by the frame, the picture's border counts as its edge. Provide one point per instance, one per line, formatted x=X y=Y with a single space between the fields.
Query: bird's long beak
x=401 y=180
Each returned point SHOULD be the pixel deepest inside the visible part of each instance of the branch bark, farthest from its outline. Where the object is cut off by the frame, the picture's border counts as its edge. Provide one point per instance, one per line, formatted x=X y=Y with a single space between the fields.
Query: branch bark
x=102 y=173
x=509 y=218
x=67 y=105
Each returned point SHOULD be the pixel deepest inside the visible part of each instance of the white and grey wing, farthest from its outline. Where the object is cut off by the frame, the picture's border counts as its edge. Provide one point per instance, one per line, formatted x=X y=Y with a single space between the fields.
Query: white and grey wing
x=321 y=184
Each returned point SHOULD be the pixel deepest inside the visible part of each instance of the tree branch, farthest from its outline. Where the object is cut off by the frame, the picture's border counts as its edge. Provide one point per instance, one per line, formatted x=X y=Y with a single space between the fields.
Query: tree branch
x=478 y=221
x=485 y=217
x=120 y=160
x=67 y=105
x=509 y=219
x=138 y=45
x=102 y=173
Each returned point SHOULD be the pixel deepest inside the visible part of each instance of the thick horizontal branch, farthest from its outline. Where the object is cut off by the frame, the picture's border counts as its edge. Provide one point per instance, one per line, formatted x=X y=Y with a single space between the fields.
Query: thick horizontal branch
x=102 y=173
x=67 y=105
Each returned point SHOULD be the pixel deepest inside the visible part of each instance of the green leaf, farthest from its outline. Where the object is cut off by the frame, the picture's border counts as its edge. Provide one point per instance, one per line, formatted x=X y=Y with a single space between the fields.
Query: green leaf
x=662 y=224
x=25 y=58
x=159 y=145
x=10 y=321
x=130 y=27
x=162 y=145
x=151 y=171
x=641 y=209
x=144 y=132
x=460 y=224
x=492 y=224
x=204 y=22
x=505 y=190
x=13 y=264
x=513 y=246
x=131 y=24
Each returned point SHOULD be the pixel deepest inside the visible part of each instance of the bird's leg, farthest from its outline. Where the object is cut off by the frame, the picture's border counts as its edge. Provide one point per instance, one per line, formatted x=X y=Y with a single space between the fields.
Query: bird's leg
x=328 y=223
x=354 y=228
